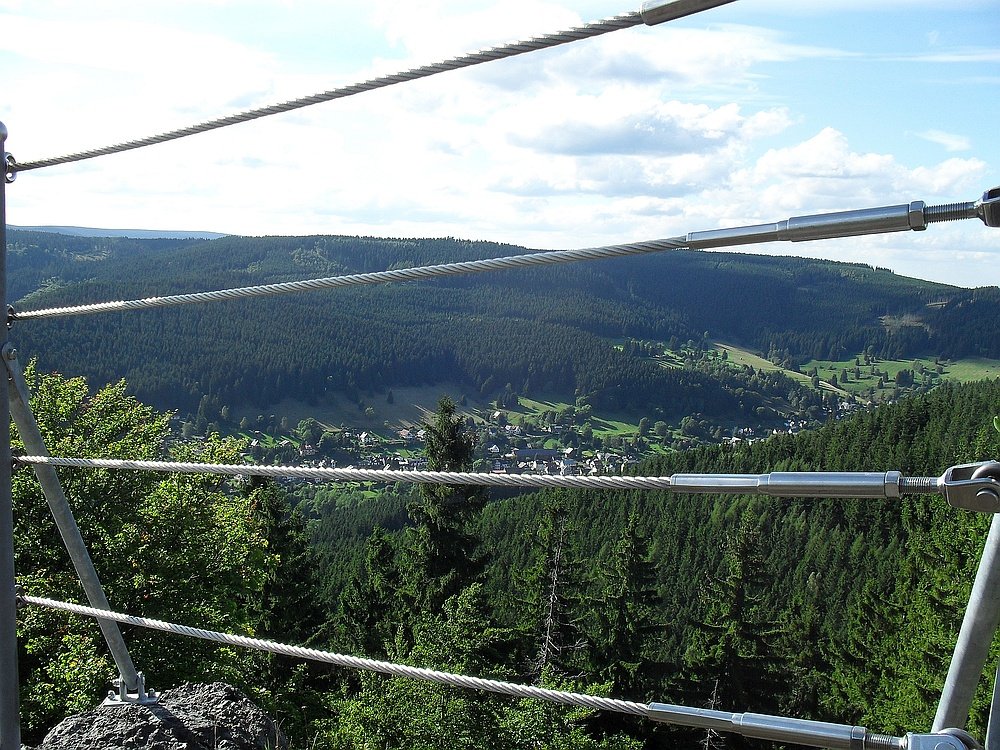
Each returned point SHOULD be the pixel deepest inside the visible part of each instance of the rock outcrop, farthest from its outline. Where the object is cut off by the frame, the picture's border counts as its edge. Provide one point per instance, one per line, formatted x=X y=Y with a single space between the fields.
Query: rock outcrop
x=189 y=717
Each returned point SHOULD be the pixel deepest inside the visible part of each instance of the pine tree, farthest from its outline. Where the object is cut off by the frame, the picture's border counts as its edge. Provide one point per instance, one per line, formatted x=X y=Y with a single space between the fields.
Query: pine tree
x=370 y=606
x=442 y=550
x=554 y=598
x=625 y=610
x=734 y=657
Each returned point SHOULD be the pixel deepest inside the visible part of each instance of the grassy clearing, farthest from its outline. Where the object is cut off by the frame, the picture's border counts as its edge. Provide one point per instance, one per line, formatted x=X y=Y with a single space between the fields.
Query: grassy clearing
x=410 y=407
x=864 y=379
x=606 y=425
x=861 y=380
x=738 y=356
x=974 y=368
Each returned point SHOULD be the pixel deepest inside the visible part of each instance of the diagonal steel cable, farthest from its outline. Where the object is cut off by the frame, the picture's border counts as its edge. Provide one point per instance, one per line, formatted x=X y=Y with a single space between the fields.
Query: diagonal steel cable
x=761 y=726
x=377 y=277
x=424 y=71
x=595 y=702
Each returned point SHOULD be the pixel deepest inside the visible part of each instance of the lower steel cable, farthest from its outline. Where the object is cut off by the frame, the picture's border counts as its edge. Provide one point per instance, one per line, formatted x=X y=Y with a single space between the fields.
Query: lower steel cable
x=515 y=690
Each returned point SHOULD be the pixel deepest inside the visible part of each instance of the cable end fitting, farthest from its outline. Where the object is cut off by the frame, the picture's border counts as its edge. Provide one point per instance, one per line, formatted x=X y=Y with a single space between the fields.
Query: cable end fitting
x=9 y=163
x=988 y=207
x=654 y=12
x=974 y=487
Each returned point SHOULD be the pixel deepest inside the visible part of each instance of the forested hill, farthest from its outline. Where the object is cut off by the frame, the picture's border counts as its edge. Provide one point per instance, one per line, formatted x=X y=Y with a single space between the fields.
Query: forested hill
x=842 y=610
x=545 y=330
x=839 y=609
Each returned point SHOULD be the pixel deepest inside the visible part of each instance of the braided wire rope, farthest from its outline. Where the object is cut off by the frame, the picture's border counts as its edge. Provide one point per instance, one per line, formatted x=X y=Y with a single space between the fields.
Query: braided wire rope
x=417 y=273
x=361 y=475
x=490 y=54
x=683 y=483
x=355 y=662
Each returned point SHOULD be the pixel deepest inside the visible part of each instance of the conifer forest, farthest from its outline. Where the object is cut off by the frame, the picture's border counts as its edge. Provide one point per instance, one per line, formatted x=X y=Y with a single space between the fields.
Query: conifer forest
x=834 y=610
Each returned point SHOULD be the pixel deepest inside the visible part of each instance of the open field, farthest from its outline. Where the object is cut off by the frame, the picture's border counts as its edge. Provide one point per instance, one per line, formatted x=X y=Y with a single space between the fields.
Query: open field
x=963 y=371
x=410 y=407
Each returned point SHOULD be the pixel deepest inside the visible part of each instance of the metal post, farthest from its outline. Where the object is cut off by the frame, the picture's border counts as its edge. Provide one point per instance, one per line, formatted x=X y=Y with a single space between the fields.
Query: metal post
x=10 y=724
x=993 y=726
x=982 y=615
x=27 y=428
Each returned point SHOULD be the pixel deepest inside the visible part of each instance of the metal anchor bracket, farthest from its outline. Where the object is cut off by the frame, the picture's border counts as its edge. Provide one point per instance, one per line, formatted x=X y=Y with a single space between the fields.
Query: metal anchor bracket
x=122 y=694
x=945 y=740
x=973 y=487
x=9 y=167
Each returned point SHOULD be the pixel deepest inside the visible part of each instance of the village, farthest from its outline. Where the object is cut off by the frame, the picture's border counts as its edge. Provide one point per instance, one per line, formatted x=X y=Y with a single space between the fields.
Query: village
x=505 y=443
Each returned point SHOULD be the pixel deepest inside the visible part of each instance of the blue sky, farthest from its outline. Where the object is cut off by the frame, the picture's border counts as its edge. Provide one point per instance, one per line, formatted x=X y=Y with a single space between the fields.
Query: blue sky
x=751 y=112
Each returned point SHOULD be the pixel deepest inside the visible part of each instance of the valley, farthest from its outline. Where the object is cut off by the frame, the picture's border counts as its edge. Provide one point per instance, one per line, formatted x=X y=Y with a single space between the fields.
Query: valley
x=682 y=363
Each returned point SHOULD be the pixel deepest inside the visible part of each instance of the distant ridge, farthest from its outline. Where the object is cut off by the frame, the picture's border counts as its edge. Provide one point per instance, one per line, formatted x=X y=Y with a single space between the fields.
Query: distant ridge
x=138 y=234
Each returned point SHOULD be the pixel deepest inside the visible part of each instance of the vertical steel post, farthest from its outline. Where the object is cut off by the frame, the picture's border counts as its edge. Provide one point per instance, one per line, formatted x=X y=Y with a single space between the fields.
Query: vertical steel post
x=993 y=726
x=982 y=615
x=10 y=723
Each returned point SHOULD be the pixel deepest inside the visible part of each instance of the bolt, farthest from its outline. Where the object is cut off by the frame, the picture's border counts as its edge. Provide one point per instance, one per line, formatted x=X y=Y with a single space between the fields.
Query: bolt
x=987 y=496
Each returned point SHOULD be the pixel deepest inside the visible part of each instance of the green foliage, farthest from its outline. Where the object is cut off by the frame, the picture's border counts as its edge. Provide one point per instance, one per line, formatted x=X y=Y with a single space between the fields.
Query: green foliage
x=187 y=548
x=627 y=616
x=371 y=603
x=442 y=553
x=734 y=660
x=392 y=712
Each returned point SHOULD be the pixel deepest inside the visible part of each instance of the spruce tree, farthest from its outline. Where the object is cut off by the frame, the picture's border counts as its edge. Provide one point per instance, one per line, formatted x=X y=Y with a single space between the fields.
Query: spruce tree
x=627 y=626
x=734 y=659
x=554 y=597
x=442 y=549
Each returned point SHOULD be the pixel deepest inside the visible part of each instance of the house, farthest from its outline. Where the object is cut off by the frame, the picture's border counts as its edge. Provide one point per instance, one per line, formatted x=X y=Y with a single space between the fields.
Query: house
x=536 y=454
x=568 y=466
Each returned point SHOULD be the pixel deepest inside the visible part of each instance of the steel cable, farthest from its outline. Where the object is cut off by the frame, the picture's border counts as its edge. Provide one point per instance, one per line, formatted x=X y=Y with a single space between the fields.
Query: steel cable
x=354 y=662
x=361 y=475
x=377 y=277
x=792 y=484
x=424 y=71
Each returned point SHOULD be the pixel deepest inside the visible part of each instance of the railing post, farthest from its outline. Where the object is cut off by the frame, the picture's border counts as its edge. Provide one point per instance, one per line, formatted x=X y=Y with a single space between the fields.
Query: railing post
x=982 y=615
x=20 y=411
x=10 y=723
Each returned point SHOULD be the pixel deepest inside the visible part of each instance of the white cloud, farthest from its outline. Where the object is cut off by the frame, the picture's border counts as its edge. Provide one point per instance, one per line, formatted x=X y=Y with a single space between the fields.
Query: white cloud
x=950 y=141
x=637 y=134
x=963 y=57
